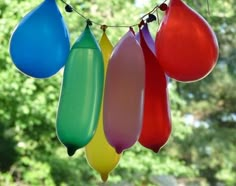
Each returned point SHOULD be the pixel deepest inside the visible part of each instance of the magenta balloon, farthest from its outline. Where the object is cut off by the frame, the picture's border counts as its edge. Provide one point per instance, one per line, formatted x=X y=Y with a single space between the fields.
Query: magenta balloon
x=124 y=94
x=148 y=38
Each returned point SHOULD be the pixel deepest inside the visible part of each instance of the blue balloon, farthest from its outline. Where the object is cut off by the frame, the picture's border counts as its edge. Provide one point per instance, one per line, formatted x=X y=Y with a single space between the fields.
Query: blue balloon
x=40 y=45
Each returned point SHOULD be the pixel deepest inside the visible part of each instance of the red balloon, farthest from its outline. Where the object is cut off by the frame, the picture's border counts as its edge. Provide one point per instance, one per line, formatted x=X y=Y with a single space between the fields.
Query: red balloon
x=156 y=119
x=187 y=46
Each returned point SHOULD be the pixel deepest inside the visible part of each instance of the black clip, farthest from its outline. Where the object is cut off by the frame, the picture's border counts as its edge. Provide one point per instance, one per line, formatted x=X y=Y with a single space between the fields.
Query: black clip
x=151 y=18
x=68 y=8
x=89 y=22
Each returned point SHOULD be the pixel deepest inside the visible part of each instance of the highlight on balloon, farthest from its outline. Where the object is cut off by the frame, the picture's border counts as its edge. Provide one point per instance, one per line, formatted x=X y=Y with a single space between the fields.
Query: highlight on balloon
x=113 y=97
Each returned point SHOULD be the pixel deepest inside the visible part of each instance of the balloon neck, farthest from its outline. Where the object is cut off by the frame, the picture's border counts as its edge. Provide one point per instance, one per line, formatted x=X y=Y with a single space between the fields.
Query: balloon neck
x=50 y=1
x=131 y=30
x=104 y=177
x=175 y=2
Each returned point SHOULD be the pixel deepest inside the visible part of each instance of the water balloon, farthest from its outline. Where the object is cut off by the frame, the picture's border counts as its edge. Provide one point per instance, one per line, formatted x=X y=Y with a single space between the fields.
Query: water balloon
x=156 y=118
x=39 y=45
x=99 y=153
x=81 y=93
x=124 y=94
x=186 y=45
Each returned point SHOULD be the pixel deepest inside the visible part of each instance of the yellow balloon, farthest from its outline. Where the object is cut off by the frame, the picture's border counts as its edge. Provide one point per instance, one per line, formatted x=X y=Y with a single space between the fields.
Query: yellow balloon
x=99 y=153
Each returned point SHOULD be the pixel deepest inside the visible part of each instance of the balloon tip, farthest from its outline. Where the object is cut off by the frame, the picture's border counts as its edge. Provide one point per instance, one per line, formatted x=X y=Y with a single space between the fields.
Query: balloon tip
x=156 y=150
x=104 y=177
x=119 y=150
x=71 y=151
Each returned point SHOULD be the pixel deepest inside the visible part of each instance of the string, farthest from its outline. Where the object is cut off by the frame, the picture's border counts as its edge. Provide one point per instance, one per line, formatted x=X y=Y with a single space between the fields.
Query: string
x=208 y=8
x=151 y=18
x=155 y=8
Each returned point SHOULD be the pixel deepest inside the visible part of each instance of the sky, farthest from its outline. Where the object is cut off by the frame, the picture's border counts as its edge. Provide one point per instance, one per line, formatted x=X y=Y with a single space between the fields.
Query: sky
x=140 y=3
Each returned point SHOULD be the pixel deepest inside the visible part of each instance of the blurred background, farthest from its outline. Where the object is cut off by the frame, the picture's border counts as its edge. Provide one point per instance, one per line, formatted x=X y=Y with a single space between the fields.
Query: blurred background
x=202 y=147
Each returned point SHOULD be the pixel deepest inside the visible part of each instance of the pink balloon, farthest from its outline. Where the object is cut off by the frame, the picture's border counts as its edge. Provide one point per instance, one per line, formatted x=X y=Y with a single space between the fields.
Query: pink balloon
x=124 y=94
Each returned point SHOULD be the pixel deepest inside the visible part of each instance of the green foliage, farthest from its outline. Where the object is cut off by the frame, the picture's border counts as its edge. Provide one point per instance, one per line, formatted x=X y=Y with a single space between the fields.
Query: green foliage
x=201 y=150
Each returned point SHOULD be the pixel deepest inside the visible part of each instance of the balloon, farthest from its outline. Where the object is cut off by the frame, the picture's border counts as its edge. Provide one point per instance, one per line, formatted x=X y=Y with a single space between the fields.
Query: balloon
x=100 y=154
x=124 y=94
x=148 y=39
x=187 y=48
x=81 y=93
x=39 y=45
x=156 y=119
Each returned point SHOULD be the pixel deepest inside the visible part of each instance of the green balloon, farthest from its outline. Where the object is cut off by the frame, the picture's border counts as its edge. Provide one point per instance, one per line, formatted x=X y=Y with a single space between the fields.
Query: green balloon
x=81 y=93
